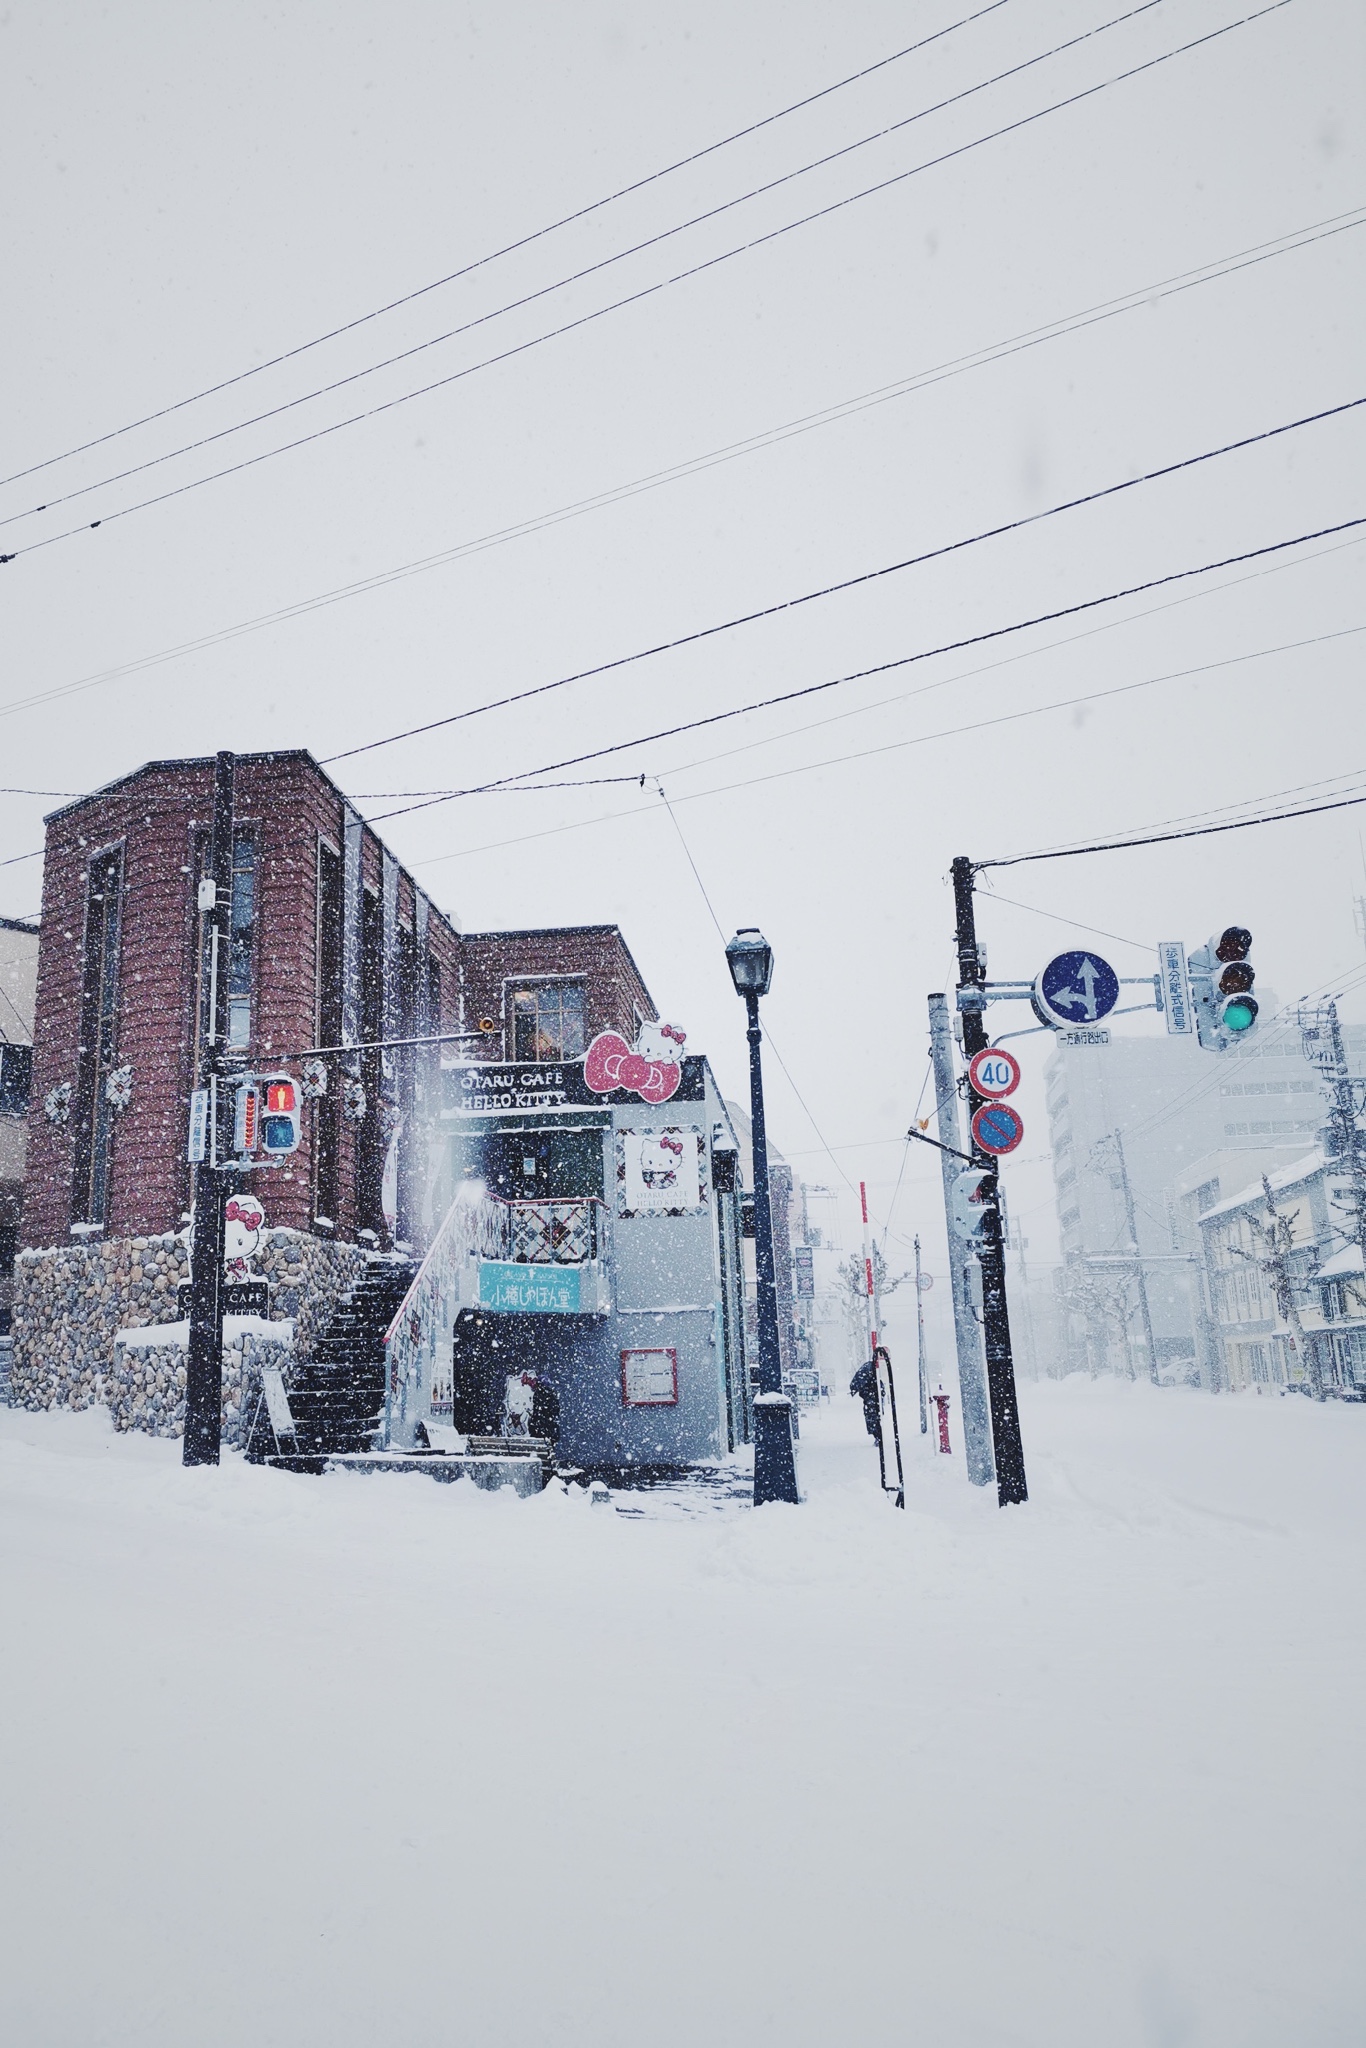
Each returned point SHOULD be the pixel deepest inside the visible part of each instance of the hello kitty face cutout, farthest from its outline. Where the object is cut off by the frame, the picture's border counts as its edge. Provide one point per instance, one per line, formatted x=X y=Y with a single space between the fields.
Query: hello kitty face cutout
x=653 y=1071
x=243 y=1222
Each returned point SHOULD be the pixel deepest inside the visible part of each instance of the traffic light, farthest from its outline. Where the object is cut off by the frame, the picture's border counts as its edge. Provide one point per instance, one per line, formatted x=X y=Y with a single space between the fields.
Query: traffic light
x=280 y=1131
x=1221 y=977
x=968 y=1205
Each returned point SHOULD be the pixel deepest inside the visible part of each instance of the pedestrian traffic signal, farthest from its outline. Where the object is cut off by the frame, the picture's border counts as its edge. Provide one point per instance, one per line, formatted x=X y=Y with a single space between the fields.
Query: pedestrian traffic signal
x=1221 y=977
x=280 y=1130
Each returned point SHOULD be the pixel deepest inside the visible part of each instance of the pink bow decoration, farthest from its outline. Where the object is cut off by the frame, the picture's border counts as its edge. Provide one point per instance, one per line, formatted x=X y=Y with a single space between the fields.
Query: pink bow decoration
x=610 y=1063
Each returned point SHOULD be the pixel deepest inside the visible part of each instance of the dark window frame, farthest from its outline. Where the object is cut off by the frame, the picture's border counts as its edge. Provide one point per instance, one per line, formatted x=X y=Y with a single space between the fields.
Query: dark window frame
x=97 y=1053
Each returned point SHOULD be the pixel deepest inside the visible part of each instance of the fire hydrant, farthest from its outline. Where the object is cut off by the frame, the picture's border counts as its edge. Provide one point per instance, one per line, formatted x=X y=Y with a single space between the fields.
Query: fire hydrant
x=941 y=1402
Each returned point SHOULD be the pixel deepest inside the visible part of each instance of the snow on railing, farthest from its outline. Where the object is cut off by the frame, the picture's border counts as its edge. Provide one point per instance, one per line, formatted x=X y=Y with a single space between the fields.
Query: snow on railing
x=474 y=1226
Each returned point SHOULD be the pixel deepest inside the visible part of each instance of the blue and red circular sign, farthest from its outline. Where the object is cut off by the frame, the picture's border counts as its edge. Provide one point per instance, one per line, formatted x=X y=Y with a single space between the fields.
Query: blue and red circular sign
x=997 y=1127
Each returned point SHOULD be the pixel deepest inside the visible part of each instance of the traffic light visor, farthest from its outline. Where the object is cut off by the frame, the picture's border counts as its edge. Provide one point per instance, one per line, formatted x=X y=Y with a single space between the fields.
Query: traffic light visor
x=1234 y=944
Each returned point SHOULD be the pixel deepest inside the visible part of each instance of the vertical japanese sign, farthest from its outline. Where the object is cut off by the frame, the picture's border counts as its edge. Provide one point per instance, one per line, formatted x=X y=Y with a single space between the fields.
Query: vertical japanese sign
x=1176 y=1001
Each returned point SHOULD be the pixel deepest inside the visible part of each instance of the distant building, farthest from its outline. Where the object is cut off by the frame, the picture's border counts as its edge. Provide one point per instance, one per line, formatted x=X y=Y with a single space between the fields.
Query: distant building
x=18 y=983
x=1324 y=1276
x=1192 y=1125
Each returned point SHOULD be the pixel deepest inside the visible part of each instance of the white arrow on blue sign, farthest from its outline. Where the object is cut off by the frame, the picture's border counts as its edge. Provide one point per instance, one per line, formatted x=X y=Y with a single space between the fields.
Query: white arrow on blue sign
x=1077 y=988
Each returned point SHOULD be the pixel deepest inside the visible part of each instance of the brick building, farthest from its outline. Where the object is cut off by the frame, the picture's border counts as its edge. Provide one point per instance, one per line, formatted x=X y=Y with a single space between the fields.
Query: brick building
x=596 y=1238
x=333 y=944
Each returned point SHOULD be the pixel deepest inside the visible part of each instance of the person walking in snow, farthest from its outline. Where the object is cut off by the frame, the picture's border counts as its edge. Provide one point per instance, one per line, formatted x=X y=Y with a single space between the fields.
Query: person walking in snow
x=864 y=1385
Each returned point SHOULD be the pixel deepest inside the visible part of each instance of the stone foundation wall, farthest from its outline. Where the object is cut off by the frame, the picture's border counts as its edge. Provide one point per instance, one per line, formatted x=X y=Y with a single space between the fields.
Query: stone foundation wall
x=308 y=1276
x=145 y=1386
x=71 y=1302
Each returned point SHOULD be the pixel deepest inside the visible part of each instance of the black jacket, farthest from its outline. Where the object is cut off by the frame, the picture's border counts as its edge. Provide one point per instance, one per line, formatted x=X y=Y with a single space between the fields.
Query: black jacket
x=864 y=1384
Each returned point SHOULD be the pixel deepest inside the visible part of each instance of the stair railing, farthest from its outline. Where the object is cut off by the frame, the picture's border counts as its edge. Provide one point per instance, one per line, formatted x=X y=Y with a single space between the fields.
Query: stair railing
x=475 y=1226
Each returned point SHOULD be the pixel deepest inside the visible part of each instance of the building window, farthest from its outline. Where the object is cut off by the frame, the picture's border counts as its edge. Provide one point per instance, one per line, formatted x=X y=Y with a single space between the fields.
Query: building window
x=548 y=1021
x=242 y=937
x=16 y=1069
x=94 y=1121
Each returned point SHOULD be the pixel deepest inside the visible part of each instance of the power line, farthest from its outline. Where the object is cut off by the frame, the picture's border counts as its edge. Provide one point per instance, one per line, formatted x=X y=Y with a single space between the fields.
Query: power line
x=1191 y=832
x=1141 y=298
x=510 y=787
x=611 y=817
x=508 y=248
x=636 y=297
x=562 y=283
x=982 y=724
x=968 y=675
x=854 y=582
x=901 y=661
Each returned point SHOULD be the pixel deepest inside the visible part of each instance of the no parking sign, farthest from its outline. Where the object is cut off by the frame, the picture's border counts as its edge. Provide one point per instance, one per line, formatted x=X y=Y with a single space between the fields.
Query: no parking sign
x=997 y=1127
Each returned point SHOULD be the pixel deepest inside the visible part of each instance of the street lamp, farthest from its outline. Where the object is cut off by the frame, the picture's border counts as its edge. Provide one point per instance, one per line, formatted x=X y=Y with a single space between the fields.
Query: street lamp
x=750 y=959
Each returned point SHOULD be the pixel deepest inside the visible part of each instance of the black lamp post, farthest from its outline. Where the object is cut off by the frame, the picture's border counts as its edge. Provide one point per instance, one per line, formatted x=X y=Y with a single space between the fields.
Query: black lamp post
x=750 y=959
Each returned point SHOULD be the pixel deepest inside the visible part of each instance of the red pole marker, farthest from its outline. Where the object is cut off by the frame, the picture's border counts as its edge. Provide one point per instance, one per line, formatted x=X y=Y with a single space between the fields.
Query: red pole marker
x=941 y=1402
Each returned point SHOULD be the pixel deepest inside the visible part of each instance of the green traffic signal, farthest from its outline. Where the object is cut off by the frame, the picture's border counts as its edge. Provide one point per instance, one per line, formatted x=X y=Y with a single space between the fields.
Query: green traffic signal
x=1240 y=1014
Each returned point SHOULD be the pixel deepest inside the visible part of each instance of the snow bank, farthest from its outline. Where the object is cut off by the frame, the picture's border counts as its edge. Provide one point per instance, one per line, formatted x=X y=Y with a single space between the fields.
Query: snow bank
x=330 y=1762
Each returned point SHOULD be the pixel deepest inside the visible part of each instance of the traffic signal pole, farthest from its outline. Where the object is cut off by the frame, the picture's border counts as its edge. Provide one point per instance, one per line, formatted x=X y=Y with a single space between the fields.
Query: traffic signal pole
x=1005 y=1414
x=204 y=1364
x=967 y=1336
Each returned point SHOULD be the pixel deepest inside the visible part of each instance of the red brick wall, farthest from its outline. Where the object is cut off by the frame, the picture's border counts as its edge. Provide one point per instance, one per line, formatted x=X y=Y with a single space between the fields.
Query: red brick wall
x=155 y=816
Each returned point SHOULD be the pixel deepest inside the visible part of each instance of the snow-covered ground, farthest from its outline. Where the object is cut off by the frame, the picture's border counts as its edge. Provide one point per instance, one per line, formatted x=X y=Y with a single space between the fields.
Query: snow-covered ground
x=357 y=1761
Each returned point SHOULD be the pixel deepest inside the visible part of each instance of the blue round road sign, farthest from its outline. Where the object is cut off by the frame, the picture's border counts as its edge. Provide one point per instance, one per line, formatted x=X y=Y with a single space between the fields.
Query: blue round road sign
x=1078 y=988
x=997 y=1127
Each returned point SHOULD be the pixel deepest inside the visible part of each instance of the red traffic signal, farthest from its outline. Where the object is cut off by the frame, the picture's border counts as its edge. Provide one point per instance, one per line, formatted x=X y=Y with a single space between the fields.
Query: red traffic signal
x=280 y=1121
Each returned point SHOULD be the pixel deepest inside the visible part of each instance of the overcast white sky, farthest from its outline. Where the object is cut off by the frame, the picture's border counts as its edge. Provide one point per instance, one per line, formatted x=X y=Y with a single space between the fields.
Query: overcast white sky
x=193 y=189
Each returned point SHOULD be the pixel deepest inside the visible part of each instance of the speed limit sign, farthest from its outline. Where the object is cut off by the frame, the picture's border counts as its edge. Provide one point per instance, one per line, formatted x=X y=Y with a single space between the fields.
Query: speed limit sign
x=994 y=1073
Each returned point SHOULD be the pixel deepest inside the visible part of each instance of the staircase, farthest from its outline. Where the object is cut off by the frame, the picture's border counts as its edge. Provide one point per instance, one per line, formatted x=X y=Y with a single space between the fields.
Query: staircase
x=337 y=1397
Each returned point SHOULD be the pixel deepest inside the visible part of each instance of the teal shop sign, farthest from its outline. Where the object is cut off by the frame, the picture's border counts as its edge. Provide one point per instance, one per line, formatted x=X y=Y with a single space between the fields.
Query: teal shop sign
x=529 y=1290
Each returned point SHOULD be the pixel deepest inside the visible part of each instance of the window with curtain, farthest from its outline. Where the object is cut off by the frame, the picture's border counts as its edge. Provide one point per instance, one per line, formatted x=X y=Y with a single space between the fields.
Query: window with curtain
x=547 y=1021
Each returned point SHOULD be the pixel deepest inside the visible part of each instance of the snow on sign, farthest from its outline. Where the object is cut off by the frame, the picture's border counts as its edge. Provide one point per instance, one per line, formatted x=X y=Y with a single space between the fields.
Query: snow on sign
x=1077 y=988
x=993 y=1073
x=997 y=1127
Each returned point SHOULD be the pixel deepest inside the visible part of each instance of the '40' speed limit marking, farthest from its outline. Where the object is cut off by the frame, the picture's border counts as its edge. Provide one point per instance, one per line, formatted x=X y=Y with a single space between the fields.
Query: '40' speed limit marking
x=994 y=1073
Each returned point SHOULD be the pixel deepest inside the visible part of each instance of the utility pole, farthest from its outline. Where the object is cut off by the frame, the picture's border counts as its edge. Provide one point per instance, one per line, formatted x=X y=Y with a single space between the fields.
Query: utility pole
x=920 y=1343
x=1005 y=1412
x=1132 y=1226
x=204 y=1364
x=1345 y=1117
x=967 y=1335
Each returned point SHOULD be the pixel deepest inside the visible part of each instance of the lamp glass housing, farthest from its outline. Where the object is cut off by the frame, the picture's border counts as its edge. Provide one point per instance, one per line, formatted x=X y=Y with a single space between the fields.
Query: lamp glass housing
x=750 y=958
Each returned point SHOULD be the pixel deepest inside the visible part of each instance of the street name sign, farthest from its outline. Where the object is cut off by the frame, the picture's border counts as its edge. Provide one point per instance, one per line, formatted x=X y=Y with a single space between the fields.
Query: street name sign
x=1176 y=997
x=997 y=1127
x=1077 y=988
x=994 y=1073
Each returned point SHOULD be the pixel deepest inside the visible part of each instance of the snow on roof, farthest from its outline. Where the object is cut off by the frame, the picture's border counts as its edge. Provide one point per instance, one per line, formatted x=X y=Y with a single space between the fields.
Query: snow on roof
x=1343 y=1264
x=1284 y=1177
